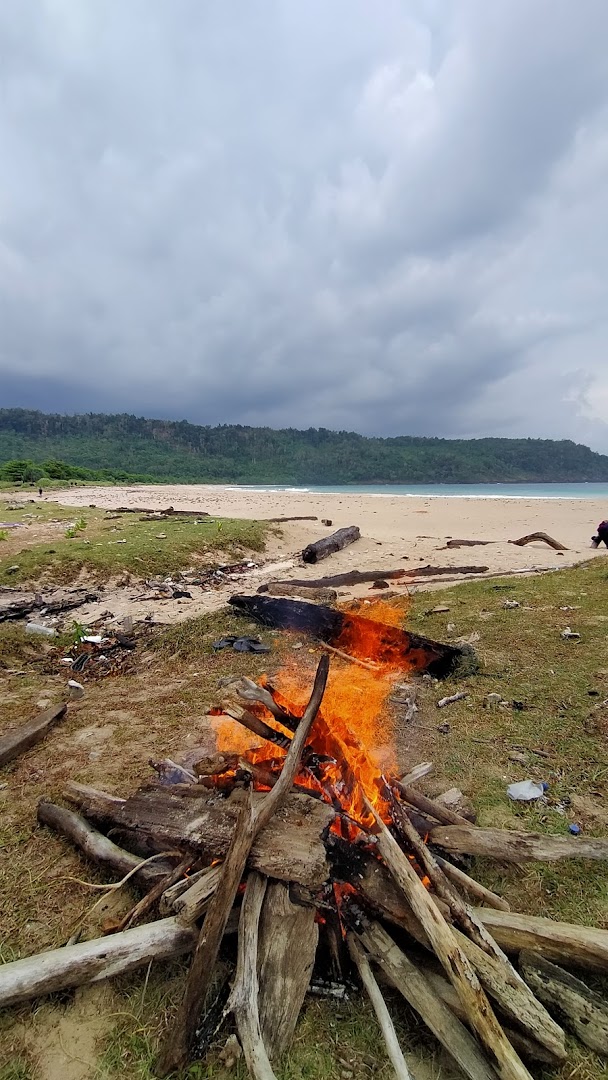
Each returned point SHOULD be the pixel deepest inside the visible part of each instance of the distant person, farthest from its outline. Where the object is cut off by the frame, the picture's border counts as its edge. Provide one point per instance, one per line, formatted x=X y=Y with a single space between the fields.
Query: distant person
x=602 y=535
x=40 y=492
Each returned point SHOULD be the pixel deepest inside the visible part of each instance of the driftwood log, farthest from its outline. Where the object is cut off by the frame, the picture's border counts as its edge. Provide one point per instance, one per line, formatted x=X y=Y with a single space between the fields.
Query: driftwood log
x=305 y=517
x=411 y=983
x=321 y=549
x=193 y=819
x=20 y=739
x=580 y=1009
x=65 y=600
x=447 y=949
x=584 y=947
x=468 y=543
x=526 y=1047
x=99 y=848
x=278 y=588
x=383 y=1017
x=438 y=571
x=92 y=961
x=352 y=577
x=546 y=539
x=508 y=845
x=288 y=940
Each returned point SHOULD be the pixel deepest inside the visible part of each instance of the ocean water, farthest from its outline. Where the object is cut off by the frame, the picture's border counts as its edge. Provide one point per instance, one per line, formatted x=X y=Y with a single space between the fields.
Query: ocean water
x=452 y=491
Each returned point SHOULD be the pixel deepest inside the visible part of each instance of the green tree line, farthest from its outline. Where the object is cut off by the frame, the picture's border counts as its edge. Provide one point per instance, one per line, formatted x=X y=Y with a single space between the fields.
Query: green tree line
x=125 y=447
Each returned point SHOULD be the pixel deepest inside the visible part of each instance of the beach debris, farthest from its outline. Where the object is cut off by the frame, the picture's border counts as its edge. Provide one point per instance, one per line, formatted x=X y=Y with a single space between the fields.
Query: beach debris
x=40 y=629
x=160 y=536
x=326 y=521
x=379 y=584
x=574 y=829
x=20 y=739
x=12 y=569
x=127 y=624
x=441 y=704
x=306 y=517
x=530 y=538
x=525 y=791
x=468 y=543
x=570 y=635
x=25 y=603
x=240 y=644
x=352 y=577
x=76 y=689
x=321 y=549
x=518 y=757
x=281 y=588
x=510 y=604
x=417 y=773
x=492 y=699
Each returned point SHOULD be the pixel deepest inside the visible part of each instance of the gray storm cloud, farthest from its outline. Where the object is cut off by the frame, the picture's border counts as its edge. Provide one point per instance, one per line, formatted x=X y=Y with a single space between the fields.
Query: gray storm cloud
x=389 y=218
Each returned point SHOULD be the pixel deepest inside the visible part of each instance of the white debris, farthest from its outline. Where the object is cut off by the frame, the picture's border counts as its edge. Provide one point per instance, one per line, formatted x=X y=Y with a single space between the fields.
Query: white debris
x=525 y=791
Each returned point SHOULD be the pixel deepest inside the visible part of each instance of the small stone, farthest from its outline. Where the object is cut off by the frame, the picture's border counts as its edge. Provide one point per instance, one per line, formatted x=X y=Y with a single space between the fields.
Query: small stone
x=76 y=689
x=509 y=604
x=493 y=699
x=161 y=536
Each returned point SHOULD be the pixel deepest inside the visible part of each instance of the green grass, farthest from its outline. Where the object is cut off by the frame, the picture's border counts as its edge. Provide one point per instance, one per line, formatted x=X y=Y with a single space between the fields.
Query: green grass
x=109 y=545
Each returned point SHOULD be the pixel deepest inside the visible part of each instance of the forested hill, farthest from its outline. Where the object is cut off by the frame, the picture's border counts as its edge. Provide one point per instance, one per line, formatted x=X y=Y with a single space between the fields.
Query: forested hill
x=179 y=451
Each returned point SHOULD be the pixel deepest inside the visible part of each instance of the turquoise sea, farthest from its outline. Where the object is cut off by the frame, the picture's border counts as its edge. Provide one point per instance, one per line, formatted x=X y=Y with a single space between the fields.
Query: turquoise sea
x=452 y=491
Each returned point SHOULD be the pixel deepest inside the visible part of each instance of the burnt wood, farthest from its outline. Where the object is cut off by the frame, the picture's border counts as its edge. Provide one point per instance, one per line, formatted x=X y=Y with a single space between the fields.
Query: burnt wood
x=386 y=643
x=20 y=739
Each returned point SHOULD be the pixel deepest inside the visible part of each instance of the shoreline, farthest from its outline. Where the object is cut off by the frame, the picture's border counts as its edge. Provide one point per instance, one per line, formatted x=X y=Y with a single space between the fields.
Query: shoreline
x=395 y=531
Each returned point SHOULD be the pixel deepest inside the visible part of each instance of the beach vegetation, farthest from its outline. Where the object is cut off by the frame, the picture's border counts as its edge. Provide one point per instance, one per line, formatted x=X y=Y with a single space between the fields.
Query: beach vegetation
x=111 y=449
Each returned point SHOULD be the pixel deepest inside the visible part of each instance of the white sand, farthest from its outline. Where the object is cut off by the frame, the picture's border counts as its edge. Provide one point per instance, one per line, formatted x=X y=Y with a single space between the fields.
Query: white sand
x=396 y=531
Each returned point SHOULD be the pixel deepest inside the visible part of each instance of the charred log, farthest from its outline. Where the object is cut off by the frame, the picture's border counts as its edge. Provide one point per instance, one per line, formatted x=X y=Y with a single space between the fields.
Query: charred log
x=345 y=630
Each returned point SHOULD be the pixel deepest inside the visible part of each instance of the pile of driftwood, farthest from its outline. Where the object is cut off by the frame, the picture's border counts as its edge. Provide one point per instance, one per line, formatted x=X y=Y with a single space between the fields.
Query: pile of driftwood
x=319 y=875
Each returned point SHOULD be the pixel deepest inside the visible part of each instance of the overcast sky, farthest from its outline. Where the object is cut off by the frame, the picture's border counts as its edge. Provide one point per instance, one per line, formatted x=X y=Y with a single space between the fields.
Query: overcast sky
x=389 y=216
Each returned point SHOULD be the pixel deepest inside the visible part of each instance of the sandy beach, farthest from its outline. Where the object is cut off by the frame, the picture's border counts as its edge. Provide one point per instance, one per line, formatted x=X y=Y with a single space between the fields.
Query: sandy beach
x=396 y=531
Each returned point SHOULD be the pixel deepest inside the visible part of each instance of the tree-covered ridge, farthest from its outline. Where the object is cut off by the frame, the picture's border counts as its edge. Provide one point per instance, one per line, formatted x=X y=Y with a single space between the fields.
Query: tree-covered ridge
x=179 y=451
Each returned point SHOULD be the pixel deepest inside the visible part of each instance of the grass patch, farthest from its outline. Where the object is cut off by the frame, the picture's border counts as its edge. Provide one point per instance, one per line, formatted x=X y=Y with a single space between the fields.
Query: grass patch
x=107 y=545
x=560 y=690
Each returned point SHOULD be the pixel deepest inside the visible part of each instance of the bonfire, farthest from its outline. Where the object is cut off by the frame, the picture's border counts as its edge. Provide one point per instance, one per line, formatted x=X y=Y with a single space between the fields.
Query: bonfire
x=299 y=834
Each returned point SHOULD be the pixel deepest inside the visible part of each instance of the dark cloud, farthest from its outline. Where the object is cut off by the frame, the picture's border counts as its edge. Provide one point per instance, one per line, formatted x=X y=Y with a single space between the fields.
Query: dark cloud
x=289 y=214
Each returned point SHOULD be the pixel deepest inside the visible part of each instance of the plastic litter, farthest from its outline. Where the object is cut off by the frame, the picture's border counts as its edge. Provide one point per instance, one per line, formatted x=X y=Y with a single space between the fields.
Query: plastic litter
x=76 y=689
x=574 y=829
x=526 y=791
x=38 y=628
